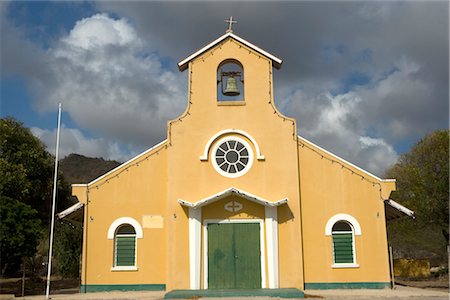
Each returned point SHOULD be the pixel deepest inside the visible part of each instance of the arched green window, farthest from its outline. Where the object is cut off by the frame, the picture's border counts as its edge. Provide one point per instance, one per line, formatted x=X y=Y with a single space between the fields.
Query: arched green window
x=343 y=243
x=125 y=246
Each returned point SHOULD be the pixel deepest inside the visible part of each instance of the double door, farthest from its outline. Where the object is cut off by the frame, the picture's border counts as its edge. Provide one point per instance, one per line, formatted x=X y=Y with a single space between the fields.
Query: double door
x=234 y=256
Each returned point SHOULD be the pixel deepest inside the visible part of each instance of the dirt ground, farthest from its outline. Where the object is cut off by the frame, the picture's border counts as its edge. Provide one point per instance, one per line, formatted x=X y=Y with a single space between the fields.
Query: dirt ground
x=440 y=283
x=71 y=286
x=37 y=286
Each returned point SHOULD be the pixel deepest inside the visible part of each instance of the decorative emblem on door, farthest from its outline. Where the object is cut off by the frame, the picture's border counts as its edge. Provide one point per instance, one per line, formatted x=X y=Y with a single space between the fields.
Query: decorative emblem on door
x=233 y=206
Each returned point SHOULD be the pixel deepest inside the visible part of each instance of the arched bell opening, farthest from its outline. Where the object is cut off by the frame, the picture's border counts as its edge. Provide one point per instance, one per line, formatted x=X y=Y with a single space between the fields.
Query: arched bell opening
x=230 y=81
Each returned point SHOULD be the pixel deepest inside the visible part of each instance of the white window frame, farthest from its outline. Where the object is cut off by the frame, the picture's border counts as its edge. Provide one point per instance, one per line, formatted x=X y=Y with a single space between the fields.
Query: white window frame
x=356 y=230
x=228 y=221
x=112 y=236
x=345 y=265
x=250 y=156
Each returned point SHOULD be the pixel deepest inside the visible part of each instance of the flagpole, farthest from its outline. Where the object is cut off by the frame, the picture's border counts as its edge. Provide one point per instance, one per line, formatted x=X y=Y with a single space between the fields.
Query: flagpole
x=55 y=178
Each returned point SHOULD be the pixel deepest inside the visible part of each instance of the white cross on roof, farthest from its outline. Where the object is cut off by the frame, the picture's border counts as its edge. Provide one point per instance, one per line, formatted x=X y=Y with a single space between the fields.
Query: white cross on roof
x=230 y=22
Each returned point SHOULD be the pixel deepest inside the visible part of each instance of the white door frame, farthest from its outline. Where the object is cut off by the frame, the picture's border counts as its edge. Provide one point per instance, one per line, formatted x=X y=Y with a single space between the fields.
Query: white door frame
x=205 y=246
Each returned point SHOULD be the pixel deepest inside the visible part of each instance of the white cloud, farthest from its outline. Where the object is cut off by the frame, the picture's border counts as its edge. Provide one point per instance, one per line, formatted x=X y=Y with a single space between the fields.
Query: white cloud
x=363 y=124
x=99 y=31
x=73 y=140
x=108 y=83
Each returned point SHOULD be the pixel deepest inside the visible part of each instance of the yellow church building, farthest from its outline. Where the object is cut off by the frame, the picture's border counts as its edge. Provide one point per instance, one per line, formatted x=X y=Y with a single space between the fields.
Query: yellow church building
x=234 y=199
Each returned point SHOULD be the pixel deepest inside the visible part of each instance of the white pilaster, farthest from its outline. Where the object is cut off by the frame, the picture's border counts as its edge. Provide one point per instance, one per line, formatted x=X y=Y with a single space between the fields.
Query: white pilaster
x=195 y=225
x=272 y=245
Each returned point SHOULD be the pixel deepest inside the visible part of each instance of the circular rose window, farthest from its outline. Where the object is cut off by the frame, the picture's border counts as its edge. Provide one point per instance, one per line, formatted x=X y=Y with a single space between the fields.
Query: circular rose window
x=232 y=157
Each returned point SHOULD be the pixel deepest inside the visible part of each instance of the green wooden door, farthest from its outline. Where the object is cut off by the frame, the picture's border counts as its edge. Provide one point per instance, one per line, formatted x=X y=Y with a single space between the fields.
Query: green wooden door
x=234 y=256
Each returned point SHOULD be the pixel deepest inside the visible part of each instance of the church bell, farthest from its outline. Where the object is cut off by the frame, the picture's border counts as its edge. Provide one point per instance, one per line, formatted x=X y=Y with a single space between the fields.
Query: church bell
x=231 y=88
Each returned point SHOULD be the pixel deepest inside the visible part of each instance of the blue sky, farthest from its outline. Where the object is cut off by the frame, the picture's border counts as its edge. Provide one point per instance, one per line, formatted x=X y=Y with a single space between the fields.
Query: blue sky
x=365 y=80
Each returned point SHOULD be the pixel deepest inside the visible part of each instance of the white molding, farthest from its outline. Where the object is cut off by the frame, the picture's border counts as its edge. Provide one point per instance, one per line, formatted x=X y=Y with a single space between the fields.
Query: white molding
x=205 y=246
x=195 y=236
x=204 y=156
x=228 y=192
x=276 y=60
x=125 y=220
x=239 y=173
x=398 y=207
x=271 y=221
x=342 y=217
x=70 y=210
x=124 y=268
x=344 y=266
x=346 y=162
x=125 y=163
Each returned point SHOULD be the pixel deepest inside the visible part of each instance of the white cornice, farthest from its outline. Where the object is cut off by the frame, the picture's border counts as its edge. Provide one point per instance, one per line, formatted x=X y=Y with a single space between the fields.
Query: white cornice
x=182 y=65
x=229 y=192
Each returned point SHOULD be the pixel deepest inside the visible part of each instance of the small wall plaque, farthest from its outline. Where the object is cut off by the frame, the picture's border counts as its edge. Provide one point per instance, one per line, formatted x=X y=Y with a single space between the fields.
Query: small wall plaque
x=152 y=221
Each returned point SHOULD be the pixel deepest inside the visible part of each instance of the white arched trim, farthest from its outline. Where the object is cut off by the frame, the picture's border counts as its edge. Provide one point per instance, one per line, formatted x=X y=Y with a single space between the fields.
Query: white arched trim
x=125 y=220
x=236 y=131
x=342 y=217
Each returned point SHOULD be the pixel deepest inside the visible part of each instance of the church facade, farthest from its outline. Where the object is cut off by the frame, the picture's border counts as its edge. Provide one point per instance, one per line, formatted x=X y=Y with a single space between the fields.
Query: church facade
x=234 y=198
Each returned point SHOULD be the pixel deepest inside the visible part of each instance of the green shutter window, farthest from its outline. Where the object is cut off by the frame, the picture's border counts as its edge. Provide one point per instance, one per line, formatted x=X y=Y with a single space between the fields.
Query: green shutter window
x=125 y=246
x=343 y=243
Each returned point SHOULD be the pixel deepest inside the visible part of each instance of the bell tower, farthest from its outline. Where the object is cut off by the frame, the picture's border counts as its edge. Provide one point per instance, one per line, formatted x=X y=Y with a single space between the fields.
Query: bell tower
x=231 y=137
x=230 y=71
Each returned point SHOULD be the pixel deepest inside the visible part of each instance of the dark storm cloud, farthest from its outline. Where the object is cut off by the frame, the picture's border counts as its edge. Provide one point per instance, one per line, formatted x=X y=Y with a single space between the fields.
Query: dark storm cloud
x=361 y=78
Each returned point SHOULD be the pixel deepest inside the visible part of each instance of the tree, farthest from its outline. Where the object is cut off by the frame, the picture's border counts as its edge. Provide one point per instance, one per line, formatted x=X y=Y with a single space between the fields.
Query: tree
x=423 y=185
x=68 y=238
x=26 y=179
x=20 y=230
x=26 y=169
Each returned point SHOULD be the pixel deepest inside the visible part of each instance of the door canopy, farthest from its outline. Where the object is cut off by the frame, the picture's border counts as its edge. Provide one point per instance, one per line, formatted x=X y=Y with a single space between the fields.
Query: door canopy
x=229 y=192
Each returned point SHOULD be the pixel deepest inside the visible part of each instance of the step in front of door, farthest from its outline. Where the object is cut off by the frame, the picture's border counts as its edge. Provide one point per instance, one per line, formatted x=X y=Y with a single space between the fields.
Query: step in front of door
x=192 y=294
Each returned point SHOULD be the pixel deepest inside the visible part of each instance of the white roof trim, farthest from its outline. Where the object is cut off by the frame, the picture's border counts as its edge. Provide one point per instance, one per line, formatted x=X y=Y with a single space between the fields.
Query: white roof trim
x=236 y=131
x=70 y=210
x=125 y=163
x=400 y=208
x=347 y=162
x=229 y=192
x=182 y=64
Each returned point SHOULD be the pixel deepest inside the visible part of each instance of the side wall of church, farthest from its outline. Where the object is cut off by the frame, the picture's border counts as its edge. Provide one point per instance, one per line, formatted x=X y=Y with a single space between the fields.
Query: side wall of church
x=137 y=190
x=330 y=187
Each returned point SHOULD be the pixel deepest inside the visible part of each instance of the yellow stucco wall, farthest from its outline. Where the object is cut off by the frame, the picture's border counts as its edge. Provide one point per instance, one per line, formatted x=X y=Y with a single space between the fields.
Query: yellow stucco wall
x=136 y=190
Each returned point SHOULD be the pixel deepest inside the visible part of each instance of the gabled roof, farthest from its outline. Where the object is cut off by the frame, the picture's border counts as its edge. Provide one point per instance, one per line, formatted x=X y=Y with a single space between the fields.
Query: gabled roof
x=231 y=191
x=182 y=65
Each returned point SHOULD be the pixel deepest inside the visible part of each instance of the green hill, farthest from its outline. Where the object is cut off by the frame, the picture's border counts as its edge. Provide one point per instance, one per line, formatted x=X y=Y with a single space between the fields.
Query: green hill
x=77 y=168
